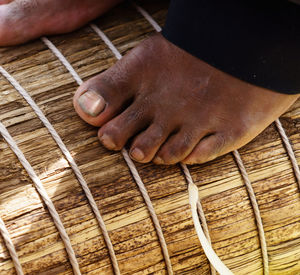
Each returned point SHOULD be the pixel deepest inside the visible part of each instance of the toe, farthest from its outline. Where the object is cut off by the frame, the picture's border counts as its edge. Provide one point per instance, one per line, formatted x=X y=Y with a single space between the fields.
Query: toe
x=146 y=144
x=114 y=134
x=178 y=146
x=106 y=95
x=98 y=100
x=207 y=149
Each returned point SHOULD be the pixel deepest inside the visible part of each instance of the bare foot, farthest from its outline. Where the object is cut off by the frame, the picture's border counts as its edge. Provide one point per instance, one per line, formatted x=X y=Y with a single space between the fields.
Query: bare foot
x=176 y=107
x=24 y=20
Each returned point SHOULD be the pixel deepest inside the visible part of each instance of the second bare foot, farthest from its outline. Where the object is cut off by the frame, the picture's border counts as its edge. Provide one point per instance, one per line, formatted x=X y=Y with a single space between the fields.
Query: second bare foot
x=24 y=20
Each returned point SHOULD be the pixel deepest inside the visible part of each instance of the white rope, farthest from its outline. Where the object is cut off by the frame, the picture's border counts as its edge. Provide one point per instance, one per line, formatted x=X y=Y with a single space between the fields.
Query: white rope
x=134 y=171
x=67 y=154
x=200 y=211
x=289 y=150
x=153 y=215
x=106 y=41
x=62 y=59
x=10 y=246
x=261 y=232
x=147 y=16
x=40 y=188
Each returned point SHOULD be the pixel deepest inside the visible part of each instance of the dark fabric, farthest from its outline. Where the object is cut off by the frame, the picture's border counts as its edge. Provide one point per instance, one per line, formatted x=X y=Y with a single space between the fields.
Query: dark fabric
x=257 y=41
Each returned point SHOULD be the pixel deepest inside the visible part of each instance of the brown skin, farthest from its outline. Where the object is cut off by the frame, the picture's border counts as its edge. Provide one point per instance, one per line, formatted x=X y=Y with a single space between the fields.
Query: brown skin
x=177 y=107
x=24 y=20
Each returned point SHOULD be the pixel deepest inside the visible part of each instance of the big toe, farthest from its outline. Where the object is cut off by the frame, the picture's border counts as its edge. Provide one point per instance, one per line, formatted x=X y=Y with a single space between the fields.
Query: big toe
x=97 y=104
x=102 y=98
x=108 y=94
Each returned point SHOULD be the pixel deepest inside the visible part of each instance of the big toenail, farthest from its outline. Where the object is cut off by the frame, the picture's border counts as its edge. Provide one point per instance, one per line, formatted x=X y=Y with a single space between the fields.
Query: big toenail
x=137 y=154
x=107 y=141
x=158 y=160
x=91 y=103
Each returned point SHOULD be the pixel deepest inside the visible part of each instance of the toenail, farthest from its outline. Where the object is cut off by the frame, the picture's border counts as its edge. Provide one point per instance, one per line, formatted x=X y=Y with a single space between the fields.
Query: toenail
x=107 y=142
x=91 y=103
x=137 y=154
x=158 y=160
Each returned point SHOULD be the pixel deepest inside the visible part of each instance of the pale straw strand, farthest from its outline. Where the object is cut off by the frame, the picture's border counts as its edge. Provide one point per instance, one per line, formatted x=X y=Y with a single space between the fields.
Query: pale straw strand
x=289 y=150
x=9 y=244
x=210 y=253
x=190 y=182
x=261 y=232
x=40 y=188
x=134 y=171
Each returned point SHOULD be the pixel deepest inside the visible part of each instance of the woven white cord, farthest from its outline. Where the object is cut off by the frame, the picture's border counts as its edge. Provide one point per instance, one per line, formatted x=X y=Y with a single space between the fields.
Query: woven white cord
x=40 y=188
x=210 y=254
x=72 y=162
x=134 y=171
x=106 y=41
x=289 y=150
x=63 y=147
x=147 y=16
x=200 y=211
x=261 y=232
x=10 y=246
x=153 y=215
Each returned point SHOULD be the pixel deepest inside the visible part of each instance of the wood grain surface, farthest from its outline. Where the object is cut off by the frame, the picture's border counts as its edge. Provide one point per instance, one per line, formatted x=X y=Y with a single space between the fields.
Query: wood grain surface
x=222 y=191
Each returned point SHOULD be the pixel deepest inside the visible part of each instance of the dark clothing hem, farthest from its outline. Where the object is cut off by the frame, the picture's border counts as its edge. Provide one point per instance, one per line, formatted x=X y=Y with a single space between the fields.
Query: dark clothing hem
x=257 y=41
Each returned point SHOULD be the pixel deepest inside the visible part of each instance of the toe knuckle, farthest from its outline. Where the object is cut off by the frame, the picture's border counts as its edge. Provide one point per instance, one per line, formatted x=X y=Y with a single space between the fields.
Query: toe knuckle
x=143 y=142
x=135 y=115
x=171 y=155
x=160 y=131
x=112 y=130
x=187 y=139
